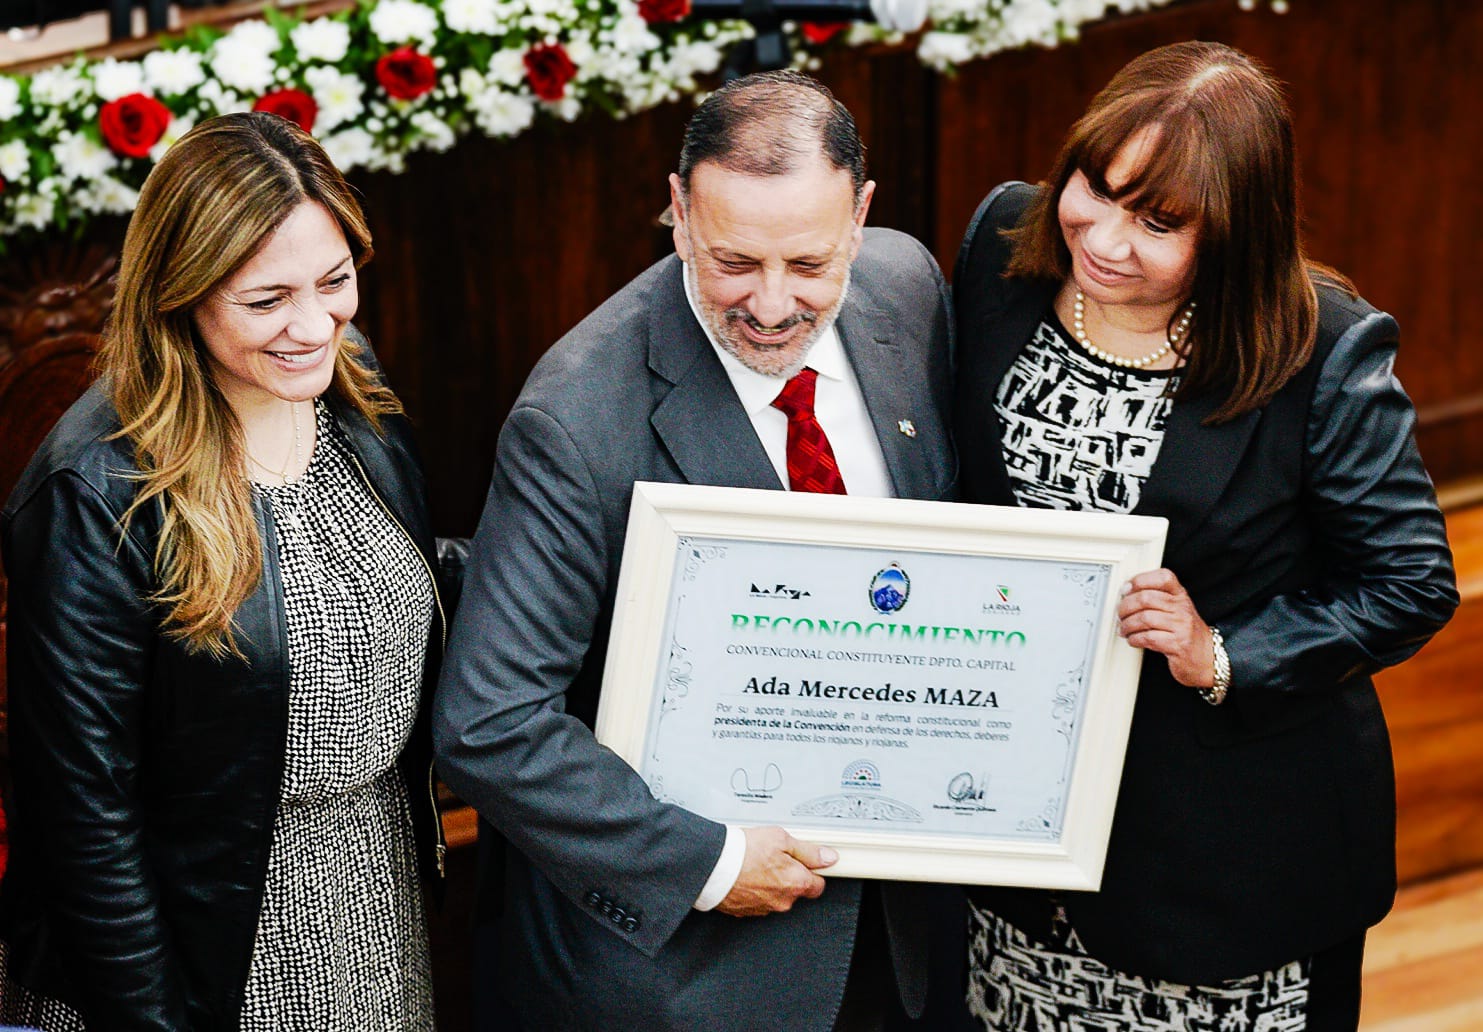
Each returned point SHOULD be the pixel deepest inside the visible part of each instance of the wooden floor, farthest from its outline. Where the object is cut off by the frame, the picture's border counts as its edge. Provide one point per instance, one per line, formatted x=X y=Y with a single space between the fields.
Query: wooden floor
x=1424 y=963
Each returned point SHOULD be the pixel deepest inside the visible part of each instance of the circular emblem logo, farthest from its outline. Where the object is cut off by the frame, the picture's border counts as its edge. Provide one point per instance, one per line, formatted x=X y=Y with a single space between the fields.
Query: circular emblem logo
x=860 y=774
x=889 y=589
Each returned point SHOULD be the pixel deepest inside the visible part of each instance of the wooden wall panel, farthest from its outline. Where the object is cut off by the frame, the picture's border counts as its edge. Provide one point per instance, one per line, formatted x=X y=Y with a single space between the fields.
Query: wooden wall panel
x=1434 y=706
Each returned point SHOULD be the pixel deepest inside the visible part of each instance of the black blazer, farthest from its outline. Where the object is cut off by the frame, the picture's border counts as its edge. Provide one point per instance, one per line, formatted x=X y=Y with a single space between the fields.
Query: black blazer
x=1253 y=833
x=147 y=776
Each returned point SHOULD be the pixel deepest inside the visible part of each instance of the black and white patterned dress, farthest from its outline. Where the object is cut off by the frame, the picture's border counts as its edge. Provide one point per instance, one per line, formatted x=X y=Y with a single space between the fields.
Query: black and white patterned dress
x=342 y=939
x=1081 y=433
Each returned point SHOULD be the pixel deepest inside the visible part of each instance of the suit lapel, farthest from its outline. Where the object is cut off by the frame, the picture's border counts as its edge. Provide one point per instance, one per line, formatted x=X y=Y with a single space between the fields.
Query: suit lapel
x=1194 y=466
x=700 y=420
x=905 y=421
x=1003 y=332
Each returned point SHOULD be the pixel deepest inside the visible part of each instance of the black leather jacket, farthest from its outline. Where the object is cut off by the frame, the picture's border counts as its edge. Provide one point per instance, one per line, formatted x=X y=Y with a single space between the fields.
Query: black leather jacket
x=147 y=776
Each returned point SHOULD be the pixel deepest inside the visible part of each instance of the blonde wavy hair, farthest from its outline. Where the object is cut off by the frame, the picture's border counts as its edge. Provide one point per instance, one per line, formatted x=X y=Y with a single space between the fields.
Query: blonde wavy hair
x=206 y=208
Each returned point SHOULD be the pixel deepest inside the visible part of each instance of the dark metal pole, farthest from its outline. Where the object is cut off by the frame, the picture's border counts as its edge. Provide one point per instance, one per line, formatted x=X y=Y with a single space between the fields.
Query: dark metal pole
x=120 y=19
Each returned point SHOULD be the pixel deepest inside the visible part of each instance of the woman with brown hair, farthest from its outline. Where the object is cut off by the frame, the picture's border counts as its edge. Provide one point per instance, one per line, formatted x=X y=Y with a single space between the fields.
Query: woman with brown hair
x=223 y=625
x=1143 y=334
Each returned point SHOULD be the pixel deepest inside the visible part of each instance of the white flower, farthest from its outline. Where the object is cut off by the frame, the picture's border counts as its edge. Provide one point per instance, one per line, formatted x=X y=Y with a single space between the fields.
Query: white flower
x=694 y=58
x=350 y=148
x=404 y=21
x=567 y=108
x=256 y=34
x=437 y=134
x=34 y=210
x=177 y=128
x=15 y=160
x=56 y=87
x=944 y=11
x=1077 y=11
x=338 y=94
x=631 y=35
x=219 y=100
x=503 y=114
x=507 y=67
x=471 y=83
x=582 y=54
x=113 y=197
x=242 y=65
x=10 y=98
x=243 y=58
x=1029 y=21
x=114 y=79
x=323 y=39
x=471 y=16
x=78 y=157
x=173 y=71
x=945 y=49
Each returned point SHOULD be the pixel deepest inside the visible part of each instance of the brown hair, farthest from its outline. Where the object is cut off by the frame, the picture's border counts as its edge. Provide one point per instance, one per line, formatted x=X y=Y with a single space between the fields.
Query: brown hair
x=1223 y=161
x=206 y=208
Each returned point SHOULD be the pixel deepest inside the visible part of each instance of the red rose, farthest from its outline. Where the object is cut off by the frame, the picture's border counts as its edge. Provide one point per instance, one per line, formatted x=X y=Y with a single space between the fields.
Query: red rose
x=656 y=11
x=819 y=33
x=295 y=105
x=549 y=70
x=132 y=125
x=406 y=74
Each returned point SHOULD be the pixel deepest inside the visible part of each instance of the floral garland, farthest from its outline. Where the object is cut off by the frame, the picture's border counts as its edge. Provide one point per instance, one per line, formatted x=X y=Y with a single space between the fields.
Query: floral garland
x=387 y=78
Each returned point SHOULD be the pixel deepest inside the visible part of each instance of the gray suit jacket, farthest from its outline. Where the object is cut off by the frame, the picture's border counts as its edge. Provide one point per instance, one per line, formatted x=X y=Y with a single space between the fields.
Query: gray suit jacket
x=600 y=930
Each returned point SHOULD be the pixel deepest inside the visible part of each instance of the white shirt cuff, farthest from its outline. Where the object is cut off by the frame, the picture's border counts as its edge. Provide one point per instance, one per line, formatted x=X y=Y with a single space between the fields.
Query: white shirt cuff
x=727 y=870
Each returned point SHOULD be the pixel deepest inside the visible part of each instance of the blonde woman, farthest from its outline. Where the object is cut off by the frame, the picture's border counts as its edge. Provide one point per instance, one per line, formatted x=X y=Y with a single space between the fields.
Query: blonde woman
x=223 y=622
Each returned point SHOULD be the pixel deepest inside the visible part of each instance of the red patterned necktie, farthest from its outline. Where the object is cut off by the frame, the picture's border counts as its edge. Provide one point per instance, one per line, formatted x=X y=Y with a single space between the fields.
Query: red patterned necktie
x=811 y=465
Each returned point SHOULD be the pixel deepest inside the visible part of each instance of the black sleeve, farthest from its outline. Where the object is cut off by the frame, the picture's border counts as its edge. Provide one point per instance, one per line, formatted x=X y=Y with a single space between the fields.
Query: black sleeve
x=81 y=641
x=1389 y=583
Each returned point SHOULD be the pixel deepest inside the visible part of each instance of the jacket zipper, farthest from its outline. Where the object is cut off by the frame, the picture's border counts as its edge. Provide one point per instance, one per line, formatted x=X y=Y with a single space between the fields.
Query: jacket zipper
x=440 y=848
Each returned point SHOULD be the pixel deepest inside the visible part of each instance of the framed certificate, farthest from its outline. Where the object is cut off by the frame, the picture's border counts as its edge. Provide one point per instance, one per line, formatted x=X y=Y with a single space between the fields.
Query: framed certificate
x=937 y=690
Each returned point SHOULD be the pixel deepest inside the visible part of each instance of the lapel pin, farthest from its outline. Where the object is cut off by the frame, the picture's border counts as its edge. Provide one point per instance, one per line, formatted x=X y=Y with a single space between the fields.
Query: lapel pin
x=906 y=427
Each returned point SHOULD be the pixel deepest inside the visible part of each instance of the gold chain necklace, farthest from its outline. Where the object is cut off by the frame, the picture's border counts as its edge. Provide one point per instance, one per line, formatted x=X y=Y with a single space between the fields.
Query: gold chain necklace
x=294 y=457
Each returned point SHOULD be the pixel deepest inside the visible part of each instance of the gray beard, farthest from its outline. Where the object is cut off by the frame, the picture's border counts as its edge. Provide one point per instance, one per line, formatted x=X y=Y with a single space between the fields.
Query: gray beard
x=721 y=330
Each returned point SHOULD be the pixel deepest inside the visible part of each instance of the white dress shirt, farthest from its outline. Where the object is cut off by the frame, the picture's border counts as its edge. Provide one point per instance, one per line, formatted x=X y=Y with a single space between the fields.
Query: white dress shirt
x=840 y=409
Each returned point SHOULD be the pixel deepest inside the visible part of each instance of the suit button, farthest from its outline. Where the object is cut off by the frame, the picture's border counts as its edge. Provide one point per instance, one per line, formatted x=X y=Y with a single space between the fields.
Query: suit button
x=593 y=899
x=631 y=924
x=606 y=907
x=617 y=915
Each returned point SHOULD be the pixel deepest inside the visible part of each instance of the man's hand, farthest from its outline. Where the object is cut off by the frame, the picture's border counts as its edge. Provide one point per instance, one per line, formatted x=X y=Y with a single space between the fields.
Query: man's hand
x=777 y=870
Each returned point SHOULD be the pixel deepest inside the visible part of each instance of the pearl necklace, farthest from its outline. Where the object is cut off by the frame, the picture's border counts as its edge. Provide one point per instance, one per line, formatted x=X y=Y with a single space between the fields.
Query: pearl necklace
x=1078 y=328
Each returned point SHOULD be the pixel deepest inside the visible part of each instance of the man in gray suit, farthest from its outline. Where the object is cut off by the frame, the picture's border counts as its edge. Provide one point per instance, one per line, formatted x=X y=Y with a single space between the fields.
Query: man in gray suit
x=623 y=912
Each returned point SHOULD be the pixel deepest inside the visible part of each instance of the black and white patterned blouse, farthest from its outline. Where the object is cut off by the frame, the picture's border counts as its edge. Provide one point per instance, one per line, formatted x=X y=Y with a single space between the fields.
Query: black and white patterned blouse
x=342 y=940
x=1079 y=433
x=1082 y=433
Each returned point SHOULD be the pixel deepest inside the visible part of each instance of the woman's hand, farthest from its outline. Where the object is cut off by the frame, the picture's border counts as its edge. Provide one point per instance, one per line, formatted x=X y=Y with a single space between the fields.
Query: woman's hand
x=1156 y=613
